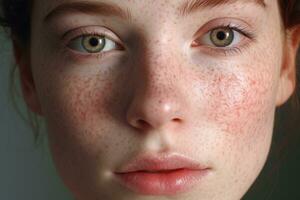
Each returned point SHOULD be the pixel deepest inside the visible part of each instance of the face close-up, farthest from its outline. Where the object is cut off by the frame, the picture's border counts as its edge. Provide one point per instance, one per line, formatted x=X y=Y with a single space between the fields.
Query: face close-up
x=158 y=99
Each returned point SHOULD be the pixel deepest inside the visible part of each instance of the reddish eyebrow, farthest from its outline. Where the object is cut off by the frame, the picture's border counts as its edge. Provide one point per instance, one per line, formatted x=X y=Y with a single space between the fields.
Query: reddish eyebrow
x=97 y=8
x=193 y=5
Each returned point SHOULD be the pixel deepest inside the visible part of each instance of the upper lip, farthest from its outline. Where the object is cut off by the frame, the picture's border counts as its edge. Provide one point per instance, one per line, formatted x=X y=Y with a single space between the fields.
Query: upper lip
x=161 y=162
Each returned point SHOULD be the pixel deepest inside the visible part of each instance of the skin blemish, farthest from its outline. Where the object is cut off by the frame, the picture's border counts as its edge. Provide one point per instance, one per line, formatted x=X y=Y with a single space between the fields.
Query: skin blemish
x=157 y=94
x=237 y=101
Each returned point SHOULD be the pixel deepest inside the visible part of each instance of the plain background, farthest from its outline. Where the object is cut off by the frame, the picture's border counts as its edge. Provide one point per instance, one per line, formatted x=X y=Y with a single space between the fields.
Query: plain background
x=27 y=171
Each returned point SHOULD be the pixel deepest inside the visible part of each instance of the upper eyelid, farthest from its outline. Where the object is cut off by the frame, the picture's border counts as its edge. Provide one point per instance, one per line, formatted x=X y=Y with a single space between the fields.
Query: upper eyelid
x=91 y=30
x=223 y=22
x=237 y=28
x=247 y=33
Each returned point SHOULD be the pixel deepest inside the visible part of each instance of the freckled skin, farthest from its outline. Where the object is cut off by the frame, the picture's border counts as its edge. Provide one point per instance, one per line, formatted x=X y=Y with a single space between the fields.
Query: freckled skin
x=216 y=109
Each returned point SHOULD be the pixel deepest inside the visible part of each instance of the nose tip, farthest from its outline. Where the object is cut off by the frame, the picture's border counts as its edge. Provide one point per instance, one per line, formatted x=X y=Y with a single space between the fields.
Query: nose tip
x=151 y=114
x=158 y=98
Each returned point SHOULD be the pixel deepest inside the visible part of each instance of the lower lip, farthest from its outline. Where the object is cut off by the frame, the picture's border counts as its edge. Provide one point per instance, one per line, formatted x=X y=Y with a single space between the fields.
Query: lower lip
x=161 y=183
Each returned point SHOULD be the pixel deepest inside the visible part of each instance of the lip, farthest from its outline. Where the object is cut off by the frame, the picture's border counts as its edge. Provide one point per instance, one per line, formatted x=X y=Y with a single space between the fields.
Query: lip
x=163 y=174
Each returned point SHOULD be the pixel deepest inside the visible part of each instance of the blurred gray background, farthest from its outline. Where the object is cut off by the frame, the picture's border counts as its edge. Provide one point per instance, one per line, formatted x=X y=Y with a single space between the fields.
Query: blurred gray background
x=27 y=171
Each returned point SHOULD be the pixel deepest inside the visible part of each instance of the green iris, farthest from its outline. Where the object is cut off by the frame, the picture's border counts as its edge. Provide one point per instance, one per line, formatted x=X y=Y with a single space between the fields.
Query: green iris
x=93 y=43
x=222 y=37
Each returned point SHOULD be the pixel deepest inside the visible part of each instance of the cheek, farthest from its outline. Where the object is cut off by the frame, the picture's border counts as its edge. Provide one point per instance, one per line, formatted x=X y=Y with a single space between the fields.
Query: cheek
x=239 y=107
x=78 y=97
x=80 y=102
x=69 y=107
x=79 y=123
x=241 y=101
x=84 y=107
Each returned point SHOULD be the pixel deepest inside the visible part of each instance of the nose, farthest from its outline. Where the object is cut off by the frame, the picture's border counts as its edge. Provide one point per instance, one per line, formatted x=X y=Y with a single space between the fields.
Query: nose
x=153 y=112
x=158 y=100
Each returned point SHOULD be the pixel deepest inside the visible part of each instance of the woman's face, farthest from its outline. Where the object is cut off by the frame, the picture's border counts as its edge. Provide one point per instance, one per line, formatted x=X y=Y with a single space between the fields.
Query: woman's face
x=121 y=81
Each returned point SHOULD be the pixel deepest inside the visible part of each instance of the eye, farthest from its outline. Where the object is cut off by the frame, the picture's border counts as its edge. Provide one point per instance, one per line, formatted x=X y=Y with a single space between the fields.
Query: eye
x=221 y=37
x=92 y=44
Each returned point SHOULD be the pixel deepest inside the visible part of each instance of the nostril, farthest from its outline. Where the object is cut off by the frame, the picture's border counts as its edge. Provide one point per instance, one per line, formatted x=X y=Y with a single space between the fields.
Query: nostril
x=176 y=120
x=142 y=123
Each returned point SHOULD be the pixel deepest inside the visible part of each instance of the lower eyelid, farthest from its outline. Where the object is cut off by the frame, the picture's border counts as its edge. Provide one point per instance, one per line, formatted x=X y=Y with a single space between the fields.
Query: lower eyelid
x=78 y=57
x=228 y=51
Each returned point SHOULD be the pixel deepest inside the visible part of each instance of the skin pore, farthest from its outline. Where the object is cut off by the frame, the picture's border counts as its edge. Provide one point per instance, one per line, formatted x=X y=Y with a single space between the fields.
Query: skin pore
x=160 y=86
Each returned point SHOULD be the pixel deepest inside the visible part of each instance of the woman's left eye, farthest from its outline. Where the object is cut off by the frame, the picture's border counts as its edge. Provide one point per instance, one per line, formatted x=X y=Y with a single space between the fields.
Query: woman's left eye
x=221 y=37
x=92 y=44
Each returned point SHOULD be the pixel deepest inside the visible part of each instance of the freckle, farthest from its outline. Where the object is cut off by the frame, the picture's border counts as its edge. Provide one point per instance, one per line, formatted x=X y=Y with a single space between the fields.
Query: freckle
x=82 y=115
x=253 y=82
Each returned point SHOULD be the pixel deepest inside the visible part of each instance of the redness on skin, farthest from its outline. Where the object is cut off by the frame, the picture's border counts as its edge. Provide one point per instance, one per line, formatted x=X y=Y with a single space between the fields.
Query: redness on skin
x=236 y=101
x=214 y=107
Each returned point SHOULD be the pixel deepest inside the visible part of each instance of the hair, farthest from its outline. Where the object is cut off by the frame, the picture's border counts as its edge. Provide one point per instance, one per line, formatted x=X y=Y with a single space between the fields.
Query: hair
x=15 y=17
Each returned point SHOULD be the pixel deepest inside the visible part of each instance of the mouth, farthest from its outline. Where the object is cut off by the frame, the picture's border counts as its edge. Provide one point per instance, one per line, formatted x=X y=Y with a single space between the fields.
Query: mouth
x=166 y=174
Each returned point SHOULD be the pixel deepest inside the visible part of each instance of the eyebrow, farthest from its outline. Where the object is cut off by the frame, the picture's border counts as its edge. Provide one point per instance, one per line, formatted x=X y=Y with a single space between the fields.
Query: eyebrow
x=110 y=9
x=97 y=8
x=191 y=6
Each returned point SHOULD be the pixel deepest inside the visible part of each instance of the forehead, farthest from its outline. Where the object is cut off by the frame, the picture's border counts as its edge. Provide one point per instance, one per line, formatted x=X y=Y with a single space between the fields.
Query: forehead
x=182 y=6
x=125 y=8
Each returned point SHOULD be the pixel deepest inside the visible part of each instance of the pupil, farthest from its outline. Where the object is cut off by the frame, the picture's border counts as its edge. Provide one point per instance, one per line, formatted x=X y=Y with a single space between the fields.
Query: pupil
x=94 y=42
x=221 y=35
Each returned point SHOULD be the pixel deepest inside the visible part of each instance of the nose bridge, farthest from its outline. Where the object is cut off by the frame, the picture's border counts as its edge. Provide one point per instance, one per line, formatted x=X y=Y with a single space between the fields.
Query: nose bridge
x=158 y=67
x=159 y=70
x=158 y=98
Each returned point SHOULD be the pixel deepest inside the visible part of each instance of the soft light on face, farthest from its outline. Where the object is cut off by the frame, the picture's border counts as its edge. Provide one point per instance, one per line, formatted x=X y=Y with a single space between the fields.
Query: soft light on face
x=157 y=77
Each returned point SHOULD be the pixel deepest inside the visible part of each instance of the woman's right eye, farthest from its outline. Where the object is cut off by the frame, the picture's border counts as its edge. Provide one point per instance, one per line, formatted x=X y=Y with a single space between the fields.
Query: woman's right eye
x=92 y=44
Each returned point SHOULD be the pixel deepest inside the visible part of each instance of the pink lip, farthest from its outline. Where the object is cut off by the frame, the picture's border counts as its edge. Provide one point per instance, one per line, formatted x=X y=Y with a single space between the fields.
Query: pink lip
x=166 y=174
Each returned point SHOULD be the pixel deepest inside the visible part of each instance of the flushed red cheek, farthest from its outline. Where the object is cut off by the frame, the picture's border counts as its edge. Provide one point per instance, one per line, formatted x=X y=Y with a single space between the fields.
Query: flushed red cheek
x=239 y=102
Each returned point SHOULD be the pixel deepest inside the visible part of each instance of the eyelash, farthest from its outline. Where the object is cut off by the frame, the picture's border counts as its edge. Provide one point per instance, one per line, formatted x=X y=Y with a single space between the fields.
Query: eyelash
x=81 y=32
x=228 y=51
x=211 y=50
